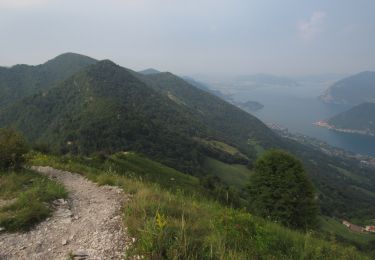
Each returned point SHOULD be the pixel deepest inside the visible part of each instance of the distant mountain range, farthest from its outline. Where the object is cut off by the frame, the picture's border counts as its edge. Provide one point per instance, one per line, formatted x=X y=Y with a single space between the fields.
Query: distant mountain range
x=248 y=106
x=84 y=106
x=352 y=90
x=267 y=79
x=358 y=120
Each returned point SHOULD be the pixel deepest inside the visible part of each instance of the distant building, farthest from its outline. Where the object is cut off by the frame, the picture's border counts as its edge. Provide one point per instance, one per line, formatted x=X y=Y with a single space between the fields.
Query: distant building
x=353 y=227
x=370 y=229
x=356 y=228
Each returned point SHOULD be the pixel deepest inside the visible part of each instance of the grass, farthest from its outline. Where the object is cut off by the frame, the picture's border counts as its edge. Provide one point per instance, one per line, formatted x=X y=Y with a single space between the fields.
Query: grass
x=236 y=175
x=30 y=194
x=258 y=148
x=128 y=164
x=222 y=146
x=172 y=224
x=334 y=227
x=350 y=175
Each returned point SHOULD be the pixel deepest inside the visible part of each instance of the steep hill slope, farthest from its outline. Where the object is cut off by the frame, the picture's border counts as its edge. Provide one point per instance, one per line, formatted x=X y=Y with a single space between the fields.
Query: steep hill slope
x=244 y=131
x=106 y=108
x=236 y=126
x=352 y=90
x=359 y=119
x=20 y=81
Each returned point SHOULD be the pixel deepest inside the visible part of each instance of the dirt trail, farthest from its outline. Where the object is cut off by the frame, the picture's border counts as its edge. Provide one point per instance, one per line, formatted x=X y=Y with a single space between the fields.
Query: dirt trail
x=86 y=226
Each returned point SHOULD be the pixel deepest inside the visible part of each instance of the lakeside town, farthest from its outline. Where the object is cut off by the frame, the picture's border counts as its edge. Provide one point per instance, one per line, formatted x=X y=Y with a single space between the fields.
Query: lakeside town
x=325 y=124
x=365 y=160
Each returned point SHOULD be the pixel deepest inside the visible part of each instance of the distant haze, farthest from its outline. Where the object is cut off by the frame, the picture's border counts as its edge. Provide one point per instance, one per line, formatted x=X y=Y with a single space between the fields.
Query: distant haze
x=289 y=37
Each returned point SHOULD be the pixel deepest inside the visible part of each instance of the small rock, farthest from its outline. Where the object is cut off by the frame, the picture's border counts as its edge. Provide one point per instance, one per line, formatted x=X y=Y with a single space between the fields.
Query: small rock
x=64 y=242
x=2 y=229
x=80 y=253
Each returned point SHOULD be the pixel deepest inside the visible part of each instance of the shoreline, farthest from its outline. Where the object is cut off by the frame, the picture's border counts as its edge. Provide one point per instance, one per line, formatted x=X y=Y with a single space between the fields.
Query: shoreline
x=325 y=124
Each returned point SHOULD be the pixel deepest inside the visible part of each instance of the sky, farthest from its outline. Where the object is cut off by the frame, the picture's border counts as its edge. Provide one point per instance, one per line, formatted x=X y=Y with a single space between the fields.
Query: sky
x=231 y=37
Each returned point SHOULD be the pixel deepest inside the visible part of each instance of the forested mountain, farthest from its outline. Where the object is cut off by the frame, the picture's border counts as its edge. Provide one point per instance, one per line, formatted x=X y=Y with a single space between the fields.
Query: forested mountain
x=235 y=126
x=352 y=90
x=250 y=135
x=20 y=81
x=107 y=108
x=359 y=119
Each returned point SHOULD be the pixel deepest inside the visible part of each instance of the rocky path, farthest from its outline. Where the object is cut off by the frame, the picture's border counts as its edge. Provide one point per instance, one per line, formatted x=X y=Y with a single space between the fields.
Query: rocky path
x=86 y=226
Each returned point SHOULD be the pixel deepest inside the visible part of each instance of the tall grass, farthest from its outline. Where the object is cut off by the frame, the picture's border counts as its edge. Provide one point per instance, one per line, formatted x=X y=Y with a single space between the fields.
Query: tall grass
x=173 y=224
x=30 y=194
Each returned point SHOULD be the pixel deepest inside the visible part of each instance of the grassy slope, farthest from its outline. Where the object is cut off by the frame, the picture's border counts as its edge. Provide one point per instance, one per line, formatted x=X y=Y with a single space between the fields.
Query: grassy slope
x=232 y=174
x=222 y=146
x=175 y=225
x=29 y=193
x=331 y=225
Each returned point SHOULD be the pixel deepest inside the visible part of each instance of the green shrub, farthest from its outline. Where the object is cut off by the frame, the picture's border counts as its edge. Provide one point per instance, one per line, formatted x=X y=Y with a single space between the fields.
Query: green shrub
x=281 y=191
x=13 y=148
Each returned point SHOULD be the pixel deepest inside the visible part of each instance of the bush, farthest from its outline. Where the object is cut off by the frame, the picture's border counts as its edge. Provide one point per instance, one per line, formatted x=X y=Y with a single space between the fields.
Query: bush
x=13 y=148
x=280 y=190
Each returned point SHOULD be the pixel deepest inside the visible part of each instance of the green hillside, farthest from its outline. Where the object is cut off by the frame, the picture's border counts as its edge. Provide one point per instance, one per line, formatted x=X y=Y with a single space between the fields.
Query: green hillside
x=252 y=137
x=234 y=125
x=20 y=81
x=180 y=223
x=352 y=90
x=359 y=119
x=105 y=108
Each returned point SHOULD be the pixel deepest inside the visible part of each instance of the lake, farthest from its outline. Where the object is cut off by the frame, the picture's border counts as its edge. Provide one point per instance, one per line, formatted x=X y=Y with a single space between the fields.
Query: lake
x=297 y=108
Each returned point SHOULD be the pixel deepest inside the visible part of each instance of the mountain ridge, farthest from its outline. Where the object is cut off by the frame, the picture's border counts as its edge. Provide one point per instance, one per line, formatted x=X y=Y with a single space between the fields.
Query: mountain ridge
x=359 y=119
x=20 y=81
x=352 y=90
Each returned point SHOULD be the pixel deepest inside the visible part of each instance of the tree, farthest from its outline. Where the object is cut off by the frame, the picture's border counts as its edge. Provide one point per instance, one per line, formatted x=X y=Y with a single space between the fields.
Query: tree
x=13 y=148
x=281 y=191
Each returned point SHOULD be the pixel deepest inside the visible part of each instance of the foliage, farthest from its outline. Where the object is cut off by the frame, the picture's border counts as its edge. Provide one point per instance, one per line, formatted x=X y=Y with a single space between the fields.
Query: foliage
x=30 y=194
x=170 y=224
x=330 y=227
x=13 y=148
x=280 y=190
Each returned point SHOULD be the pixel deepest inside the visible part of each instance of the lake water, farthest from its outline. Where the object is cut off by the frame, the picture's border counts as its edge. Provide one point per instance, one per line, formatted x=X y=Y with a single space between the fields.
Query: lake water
x=297 y=108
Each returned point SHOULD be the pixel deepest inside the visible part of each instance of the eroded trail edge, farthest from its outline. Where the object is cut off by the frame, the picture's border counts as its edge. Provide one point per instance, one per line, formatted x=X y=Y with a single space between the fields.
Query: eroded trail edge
x=86 y=226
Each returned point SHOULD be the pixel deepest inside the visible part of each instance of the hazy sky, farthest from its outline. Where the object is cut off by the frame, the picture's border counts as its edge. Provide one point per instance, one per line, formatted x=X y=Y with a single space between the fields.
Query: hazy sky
x=195 y=36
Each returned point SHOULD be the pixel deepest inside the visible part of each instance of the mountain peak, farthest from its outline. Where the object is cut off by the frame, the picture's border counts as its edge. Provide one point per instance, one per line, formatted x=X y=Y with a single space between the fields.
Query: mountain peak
x=149 y=71
x=71 y=57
